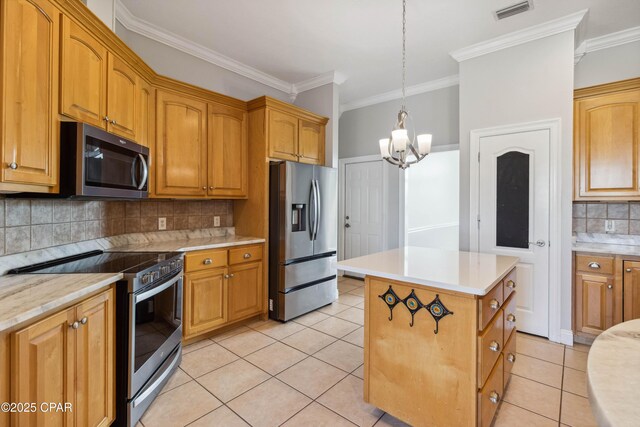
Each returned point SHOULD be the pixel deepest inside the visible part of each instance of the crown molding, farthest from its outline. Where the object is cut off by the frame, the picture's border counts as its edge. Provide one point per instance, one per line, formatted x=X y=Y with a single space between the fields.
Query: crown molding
x=429 y=86
x=607 y=41
x=546 y=29
x=321 y=80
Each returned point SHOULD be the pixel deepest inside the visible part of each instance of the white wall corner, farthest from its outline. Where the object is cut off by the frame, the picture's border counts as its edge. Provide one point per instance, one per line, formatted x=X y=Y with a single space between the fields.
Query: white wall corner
x=580 y=52
x=546 y=29
x=320 y=80
x=566 y=337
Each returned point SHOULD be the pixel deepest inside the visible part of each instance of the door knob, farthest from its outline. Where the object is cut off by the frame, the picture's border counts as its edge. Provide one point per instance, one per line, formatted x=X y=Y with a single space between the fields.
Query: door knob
x=347 y=225
x=539 y=243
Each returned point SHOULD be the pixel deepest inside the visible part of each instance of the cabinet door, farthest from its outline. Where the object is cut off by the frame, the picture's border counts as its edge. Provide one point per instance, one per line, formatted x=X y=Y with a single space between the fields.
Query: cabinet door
x=606 y=138
x=43 y=369
x=631 y=290
x=30 y=91
x=205 y=301
x=83 y=75
x=145 y=113
x=311 y=143
x=245 y=290
x=227 y=131
x=282 y=136
x=95 y=364
x=181 y=146
x=122 y=98
x=594 y=303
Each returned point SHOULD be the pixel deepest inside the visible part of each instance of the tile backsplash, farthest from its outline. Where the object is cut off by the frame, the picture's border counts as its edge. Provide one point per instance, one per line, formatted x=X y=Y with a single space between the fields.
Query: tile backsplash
x=591 y=217
x=39 y=223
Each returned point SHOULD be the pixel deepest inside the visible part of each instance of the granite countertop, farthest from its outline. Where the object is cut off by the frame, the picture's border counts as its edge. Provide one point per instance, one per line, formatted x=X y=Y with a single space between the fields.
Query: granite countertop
x=187 y=244
x=613 y=374
x=26 y=296
x=606 y=248
x=468 y=272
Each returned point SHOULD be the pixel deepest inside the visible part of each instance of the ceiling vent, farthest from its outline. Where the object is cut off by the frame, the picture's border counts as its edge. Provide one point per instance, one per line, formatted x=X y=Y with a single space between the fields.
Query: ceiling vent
x=514 y=9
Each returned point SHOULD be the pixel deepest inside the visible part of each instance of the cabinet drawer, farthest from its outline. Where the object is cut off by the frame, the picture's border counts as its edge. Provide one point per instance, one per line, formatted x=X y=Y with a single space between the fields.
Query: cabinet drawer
x=509 y=355
x=509 y=314
x=202 y=260
x=594 y=264
x=510 y=283
x=245 y=254
x=490 y=395
x=489 y=305
x=490 y=344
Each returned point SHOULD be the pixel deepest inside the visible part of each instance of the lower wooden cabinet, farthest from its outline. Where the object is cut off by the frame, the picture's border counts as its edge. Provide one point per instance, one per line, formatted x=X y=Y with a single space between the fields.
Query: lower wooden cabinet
x=245 y=290
x=205 y=295
x=594 y=300
x=631 y=309
x=67 y=358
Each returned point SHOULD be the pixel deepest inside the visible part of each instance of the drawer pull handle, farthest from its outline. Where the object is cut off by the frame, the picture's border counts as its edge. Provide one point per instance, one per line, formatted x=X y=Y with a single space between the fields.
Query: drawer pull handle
x=511 y=318
x=74 y=325
x=494 y=346
x=247 y=256
x=494 y=397
x=511 y=284
x=511 y=358
x=594 y=265
x=494 y=304
x=207 y=261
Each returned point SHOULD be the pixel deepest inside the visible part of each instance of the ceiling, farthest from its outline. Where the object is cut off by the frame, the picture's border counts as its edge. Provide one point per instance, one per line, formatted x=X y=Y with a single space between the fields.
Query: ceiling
x=296 y=40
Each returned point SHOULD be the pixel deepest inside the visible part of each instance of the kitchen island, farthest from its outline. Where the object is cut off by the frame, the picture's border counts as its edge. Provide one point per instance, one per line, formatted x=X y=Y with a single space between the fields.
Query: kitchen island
x=439 y=333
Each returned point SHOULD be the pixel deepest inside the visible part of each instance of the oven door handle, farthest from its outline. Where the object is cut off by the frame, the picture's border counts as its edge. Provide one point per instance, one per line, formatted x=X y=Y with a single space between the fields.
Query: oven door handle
x=152 y=387
x=151 y=292
x=145 y=172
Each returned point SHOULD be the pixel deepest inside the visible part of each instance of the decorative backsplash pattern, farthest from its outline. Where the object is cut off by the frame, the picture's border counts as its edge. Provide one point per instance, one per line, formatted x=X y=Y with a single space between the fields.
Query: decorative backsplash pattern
x=591 y=217
x=39 y=223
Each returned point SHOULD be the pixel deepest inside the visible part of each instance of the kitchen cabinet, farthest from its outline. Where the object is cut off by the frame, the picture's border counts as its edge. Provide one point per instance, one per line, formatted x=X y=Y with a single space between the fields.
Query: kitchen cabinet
x=145 y=114
x=67 y=357
x=607 y=142
x=594 y=297
x=311 y=142
x=221 y=287
x=283 y=136
x=631 y=309
x=227 y=151
x=181 y=146
x=29 y=125
x=122 y=98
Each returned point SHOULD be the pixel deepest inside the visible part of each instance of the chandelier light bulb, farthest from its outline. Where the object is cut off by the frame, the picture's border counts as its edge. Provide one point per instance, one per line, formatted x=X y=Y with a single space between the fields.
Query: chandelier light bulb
x=384 y=148
x=399 y=138
x=424 y=143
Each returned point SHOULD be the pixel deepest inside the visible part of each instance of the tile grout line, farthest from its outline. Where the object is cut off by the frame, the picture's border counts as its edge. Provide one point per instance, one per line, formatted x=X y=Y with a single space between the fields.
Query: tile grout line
x=564 y=357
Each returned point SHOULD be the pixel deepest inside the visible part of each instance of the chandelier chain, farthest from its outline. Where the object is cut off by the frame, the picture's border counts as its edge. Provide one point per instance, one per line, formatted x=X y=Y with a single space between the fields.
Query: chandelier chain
x=404 y=48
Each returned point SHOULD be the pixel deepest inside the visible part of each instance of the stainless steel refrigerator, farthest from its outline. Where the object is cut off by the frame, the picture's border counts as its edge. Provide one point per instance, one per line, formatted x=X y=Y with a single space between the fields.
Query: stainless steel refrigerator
x=303 y=236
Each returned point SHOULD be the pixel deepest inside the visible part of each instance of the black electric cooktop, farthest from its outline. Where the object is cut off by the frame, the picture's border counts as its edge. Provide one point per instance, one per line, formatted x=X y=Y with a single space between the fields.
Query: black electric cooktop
x=99 y=262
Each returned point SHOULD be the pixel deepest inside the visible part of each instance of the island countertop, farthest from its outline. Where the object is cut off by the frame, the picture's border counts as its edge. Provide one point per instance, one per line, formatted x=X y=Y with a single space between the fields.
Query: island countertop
x=467 y=272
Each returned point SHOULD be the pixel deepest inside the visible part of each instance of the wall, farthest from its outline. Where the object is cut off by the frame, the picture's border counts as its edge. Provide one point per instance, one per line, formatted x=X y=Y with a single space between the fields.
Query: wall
x=39 y=223
x=103 y=9
x=173 y=63
x=608 y=65
x=529 y=82
x=325 y=100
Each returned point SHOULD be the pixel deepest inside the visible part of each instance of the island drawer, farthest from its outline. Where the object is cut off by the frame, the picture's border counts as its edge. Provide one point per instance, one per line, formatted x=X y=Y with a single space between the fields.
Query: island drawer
x=509 y=309
x=509 y=357
x=594 y=263
x=203 y=260
x=490 y=344
x=245 y=254
x=510 y=283
x=490 y=395
x=489 y=305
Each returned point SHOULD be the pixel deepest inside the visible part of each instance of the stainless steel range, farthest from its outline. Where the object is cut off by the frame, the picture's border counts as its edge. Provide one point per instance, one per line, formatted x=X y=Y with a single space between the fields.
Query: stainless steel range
x=148 y=325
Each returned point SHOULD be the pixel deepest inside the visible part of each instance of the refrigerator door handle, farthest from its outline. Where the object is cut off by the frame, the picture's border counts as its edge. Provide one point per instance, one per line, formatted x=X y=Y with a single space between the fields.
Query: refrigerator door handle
x=312 y=208
x=318 y=209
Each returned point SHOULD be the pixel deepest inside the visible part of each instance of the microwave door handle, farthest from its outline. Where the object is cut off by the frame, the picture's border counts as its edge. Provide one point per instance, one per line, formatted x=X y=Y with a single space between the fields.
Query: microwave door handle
x=133 y=171
x=145 y=172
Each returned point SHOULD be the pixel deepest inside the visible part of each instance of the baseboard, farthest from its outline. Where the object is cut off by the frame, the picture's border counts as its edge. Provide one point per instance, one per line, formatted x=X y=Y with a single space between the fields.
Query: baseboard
x=566 y=337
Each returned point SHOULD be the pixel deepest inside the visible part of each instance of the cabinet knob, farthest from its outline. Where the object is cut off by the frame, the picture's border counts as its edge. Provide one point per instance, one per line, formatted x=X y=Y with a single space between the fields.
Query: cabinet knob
x=511 y=284
x=204 y=187
x=609 y=286
x=106 y=119
x=232 y=275
x=113 y=122
x=594 y=265
x=84 y=320
x=207 y=261
x=226 y=276
x=494 y=346
x=494 y=304
x=511 y=357
x=494 y=397
x=13 y=165
x=211 y=187
x=511 y=318
x=628 y=270
x=74 y=325
x=247 y=256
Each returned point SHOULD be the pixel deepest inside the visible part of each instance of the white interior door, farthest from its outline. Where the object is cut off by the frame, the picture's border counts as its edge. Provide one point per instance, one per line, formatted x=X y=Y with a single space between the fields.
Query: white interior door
x=513 y=198
x=363 y=209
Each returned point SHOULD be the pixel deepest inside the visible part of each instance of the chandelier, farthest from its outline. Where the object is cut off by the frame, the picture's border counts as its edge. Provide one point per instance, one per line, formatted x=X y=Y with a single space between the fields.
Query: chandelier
x=401 y=149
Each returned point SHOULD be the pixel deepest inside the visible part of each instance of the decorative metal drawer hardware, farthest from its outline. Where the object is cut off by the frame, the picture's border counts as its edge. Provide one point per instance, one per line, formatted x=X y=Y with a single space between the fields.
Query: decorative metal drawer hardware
x=436 y=308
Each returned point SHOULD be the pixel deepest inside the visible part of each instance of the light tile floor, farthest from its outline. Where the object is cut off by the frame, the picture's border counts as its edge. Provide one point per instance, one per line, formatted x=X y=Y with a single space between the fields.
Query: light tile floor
x=308 y=372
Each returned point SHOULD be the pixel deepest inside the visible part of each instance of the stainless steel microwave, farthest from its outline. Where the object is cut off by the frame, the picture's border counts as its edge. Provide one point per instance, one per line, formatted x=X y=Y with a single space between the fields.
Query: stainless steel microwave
x=96 y=163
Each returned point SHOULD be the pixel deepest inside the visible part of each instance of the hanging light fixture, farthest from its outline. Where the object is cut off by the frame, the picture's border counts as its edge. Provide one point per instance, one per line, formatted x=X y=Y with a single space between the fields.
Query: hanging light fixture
x=402 y=149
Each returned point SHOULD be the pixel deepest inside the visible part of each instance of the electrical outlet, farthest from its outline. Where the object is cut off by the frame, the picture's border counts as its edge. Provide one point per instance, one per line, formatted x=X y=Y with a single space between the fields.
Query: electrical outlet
x=216 y=221
x=162 y=223
x=609 y=226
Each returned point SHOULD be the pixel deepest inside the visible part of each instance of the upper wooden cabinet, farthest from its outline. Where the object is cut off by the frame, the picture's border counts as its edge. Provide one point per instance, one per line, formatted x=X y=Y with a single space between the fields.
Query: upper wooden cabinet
x=146 y=114
x=29 y=125
x=607 y=142
x=181 y=146
x=291 y=133
x=122 y=98
x=227 y=151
